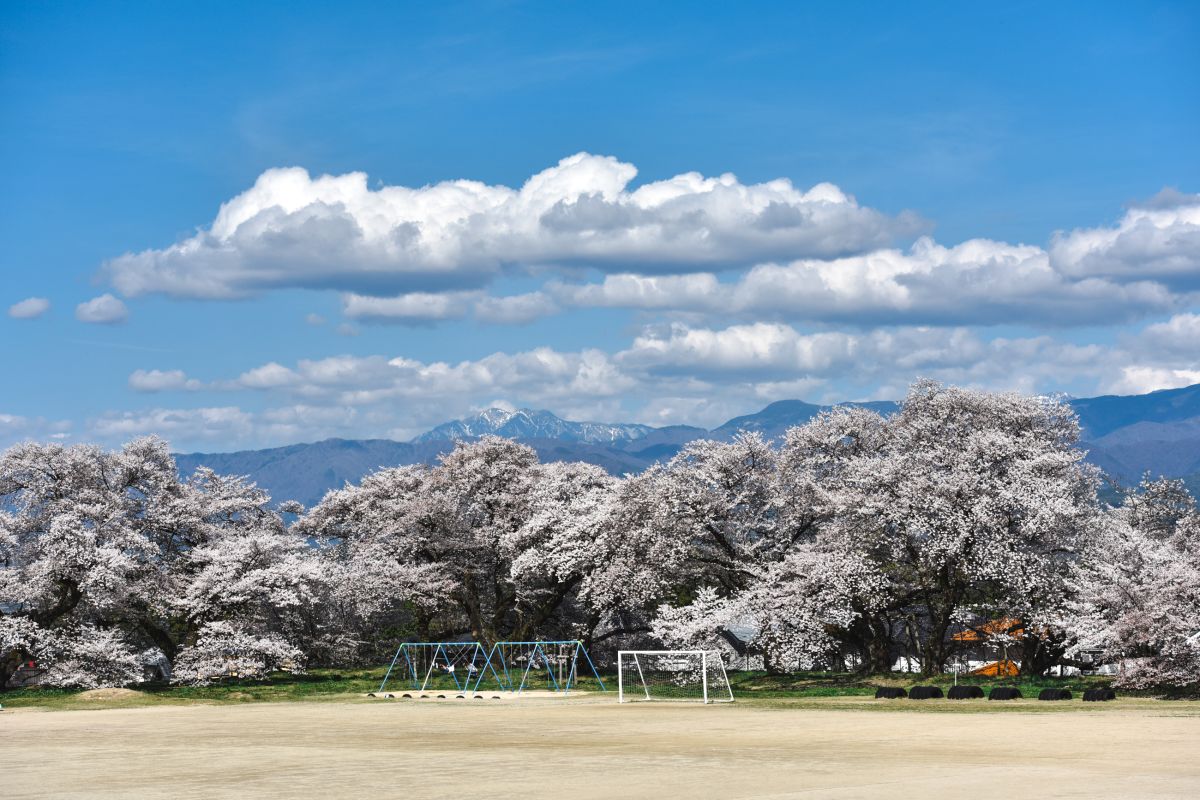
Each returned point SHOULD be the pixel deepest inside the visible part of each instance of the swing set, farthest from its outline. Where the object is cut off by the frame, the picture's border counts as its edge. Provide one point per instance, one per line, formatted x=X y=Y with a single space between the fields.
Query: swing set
x=453 y=666
x=463 y=667
x=555 y=666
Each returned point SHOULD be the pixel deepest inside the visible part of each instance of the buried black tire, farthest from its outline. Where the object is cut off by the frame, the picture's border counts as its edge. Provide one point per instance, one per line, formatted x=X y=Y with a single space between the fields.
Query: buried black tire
x=965 y=693
x=407 y=696
x=1055 y=694
x=1098 y=695
x=925 y=693
x=1005 y=693
x=890 y=693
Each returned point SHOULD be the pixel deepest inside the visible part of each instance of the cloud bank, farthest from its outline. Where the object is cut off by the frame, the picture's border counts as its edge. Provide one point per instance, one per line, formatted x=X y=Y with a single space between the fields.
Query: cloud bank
x=666 y=374
x=742 y=293
x=977 y=282
x=295 y=230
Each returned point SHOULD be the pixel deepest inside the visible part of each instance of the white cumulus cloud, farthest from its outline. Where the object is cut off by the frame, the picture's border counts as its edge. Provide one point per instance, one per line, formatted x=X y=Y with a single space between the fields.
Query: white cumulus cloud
x=29 y=308
x=268 y=376
x=1140 y=379
x=1158 y=240
x=776 y=359
x=412 y=308
x=516 y=309
x=977 y=282
x=102 y=310
x=295 y=230
x=1177 y=338
x=761 y=347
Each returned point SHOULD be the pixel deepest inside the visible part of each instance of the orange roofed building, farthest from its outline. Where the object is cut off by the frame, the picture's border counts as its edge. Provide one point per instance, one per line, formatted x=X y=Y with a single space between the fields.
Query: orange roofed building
x=976 y=639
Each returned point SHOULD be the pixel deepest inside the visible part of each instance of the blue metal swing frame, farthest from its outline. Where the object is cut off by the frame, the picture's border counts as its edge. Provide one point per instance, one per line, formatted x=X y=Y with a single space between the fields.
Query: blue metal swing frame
x=418 y=682
x=504 y=676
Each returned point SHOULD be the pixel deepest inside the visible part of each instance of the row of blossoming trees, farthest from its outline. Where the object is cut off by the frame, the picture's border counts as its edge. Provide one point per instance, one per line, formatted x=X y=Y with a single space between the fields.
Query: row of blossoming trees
x=855 y=540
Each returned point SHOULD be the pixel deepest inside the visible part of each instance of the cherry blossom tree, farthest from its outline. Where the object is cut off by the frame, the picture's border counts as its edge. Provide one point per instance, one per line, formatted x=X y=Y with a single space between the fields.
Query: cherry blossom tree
x=244 y=592
x=874 y=535
x=1137 y=593
x=78 y=540
x=718 y=508
x=740 y=540
x=634 y=567
x=965 y=501
x=855 y=540
x=87 y=657
x=488 y=542
x=225 y=649
x=557 y=552
x=815 y=485
x=108 y=554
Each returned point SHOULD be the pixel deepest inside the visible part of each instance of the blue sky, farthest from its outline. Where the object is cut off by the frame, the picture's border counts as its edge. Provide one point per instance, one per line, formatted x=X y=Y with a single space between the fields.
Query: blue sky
x=1004 y=197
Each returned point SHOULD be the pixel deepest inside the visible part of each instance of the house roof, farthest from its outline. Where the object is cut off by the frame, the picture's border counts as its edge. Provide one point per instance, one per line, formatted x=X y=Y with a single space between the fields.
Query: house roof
x=1004 y=668
x=1004 y=625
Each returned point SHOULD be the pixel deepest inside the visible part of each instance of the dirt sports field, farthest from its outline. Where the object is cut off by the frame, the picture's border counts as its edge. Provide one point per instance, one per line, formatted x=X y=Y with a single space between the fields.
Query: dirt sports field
x=592 y=747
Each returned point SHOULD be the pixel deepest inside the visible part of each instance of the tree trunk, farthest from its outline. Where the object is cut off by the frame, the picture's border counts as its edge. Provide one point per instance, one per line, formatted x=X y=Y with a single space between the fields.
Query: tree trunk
x=871 y=638
x=1039 y=652
x=69 y=595
x=9 y=665
x=162 y=639
x=937 y=648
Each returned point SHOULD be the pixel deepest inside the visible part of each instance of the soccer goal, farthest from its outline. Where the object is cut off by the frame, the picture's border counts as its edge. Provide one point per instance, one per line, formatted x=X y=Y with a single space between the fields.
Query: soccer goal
x=696 y=676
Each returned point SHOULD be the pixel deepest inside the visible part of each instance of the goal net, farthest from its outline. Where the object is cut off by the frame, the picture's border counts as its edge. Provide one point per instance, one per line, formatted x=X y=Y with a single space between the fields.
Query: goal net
x=681 y=675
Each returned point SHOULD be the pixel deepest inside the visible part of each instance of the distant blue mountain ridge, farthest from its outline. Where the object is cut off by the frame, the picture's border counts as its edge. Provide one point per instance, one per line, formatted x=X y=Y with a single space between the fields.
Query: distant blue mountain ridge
x=1126 y=436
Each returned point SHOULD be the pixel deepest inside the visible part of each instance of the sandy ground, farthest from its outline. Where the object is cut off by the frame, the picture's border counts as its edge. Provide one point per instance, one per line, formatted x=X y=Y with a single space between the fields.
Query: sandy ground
x=592 y=748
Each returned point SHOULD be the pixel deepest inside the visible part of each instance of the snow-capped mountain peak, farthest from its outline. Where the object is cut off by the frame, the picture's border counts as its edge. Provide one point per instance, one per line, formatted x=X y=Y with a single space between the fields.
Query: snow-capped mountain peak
x=527 y=423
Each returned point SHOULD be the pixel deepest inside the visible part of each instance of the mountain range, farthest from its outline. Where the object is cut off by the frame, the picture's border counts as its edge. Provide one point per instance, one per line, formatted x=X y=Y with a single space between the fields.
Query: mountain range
x=1126 y=436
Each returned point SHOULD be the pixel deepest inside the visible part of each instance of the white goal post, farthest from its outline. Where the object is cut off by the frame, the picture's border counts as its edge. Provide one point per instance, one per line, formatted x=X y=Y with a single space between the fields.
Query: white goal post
x=696 y=676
